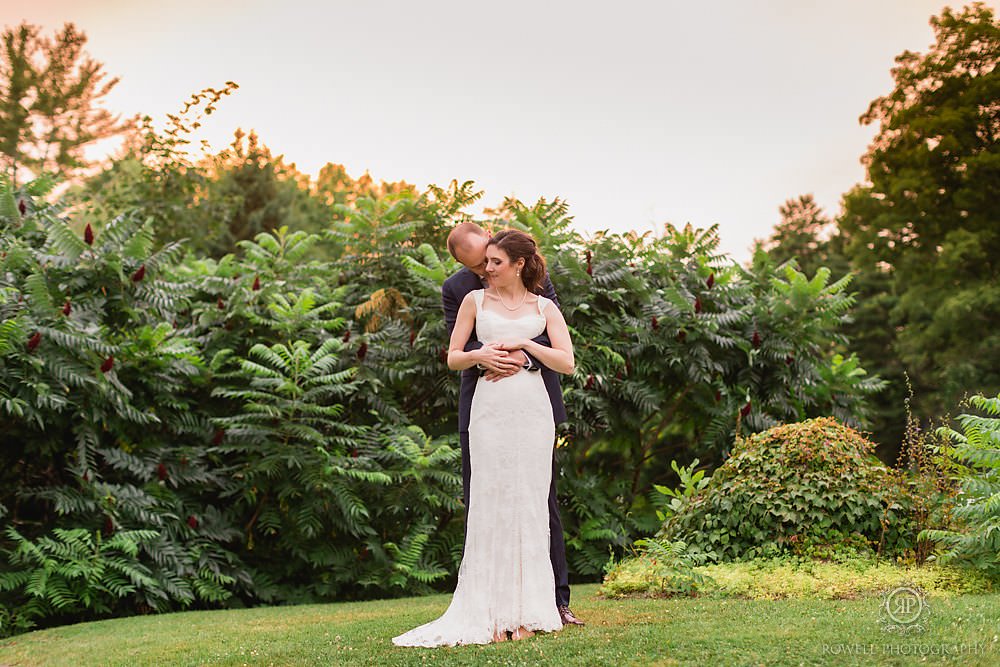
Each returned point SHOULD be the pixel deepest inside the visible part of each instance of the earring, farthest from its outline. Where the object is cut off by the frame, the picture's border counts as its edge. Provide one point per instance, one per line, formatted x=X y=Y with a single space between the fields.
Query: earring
x=519 y=273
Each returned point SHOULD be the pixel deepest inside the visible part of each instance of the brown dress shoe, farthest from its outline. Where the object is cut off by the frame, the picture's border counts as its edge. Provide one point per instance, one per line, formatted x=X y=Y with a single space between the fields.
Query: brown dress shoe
x=568 y=618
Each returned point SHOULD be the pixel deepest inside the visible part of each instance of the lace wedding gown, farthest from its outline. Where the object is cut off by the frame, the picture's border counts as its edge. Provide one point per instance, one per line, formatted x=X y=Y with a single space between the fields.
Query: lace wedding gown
x=505 y=580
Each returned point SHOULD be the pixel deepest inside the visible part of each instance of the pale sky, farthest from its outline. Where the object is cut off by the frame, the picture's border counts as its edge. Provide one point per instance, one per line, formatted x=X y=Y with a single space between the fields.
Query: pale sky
x=636 y=113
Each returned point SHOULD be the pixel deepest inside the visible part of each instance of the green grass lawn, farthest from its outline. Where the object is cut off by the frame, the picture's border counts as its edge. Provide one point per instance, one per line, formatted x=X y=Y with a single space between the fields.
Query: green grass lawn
x=689 y=631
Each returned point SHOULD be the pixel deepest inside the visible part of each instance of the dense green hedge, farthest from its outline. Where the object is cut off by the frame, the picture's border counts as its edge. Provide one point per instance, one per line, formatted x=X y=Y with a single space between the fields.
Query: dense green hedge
x=278 y=424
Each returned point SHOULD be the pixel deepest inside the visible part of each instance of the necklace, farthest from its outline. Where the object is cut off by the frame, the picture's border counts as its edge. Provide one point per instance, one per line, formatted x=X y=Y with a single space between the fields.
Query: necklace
x=524 y=295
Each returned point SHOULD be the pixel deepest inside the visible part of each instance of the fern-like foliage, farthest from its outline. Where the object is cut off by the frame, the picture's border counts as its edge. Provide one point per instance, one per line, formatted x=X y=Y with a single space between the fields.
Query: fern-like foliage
x=99 y=405
x=315 y=479
x=282 y=416
x=658 y=567
x=974 y=538
x=71 y=572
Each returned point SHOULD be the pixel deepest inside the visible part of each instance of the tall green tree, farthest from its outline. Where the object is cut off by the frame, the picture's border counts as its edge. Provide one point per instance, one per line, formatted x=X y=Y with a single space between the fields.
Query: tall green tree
x=50 y=94
x=335 y=186
x=250 y=191
x=808 y=235
x=158 y=176
x=213 y=201
x=926 y=228
x=921 y=236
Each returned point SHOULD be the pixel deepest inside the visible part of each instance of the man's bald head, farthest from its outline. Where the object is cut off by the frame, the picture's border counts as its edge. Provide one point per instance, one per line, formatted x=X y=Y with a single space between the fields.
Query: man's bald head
x=467 y=243
x=464 y=234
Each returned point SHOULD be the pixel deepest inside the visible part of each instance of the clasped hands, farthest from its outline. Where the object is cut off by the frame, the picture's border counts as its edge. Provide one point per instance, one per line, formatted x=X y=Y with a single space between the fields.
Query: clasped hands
x=502 y=359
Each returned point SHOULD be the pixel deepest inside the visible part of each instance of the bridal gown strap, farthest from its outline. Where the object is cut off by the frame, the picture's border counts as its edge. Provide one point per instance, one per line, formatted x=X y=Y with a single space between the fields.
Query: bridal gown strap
x=505 y=580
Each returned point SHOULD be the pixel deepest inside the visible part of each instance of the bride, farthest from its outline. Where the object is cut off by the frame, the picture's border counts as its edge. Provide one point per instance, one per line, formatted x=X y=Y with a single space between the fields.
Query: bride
x=505 y=581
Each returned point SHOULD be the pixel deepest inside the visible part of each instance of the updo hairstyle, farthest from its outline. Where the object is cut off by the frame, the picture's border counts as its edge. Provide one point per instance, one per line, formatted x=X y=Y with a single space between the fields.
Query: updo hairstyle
x=519 y=245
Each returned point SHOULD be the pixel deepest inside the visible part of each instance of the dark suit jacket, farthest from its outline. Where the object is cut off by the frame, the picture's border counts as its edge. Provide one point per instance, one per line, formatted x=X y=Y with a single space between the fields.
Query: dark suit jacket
x=453 y=291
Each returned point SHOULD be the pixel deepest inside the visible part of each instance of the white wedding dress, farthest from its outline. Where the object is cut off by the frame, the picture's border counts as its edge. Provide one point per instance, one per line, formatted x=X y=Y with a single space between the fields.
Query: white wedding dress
x=505 y=580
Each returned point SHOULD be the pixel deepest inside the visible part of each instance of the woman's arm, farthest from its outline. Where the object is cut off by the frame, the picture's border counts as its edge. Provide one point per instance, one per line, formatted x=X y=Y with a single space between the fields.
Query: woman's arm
x=559 y=357
x=489 y=356
x=549 y=292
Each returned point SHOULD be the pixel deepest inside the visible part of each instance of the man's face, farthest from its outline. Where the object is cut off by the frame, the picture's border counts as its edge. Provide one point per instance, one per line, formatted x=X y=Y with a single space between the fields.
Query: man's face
x=472 y=254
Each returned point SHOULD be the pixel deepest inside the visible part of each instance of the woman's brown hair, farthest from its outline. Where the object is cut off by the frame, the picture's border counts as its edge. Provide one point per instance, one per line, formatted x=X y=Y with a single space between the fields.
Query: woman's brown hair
x=519 y=245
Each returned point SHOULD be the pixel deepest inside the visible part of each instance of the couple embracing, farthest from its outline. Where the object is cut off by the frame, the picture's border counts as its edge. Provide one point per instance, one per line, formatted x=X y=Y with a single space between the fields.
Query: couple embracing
x=511 y=342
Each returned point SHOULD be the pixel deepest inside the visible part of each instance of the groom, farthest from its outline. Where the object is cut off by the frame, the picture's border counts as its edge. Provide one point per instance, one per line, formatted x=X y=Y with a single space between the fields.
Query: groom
x=467 y=244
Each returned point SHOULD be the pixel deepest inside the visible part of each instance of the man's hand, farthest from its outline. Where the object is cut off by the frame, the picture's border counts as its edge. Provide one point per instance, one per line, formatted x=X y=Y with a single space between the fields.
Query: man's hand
x=516 y=357
x=496 y=360
x=511 y=345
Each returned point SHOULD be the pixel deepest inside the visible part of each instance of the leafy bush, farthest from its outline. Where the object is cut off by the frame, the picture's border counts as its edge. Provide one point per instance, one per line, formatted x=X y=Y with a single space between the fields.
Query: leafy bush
x=99 y=397
x=331 y=504
x=594 y=519
x=244 y=438
x=677 y=346
x=73 y=574
x=337 y=493
x=675 y=501
x=974 y=537
x=282 y=417
x=795 y=488
x=660 y=568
